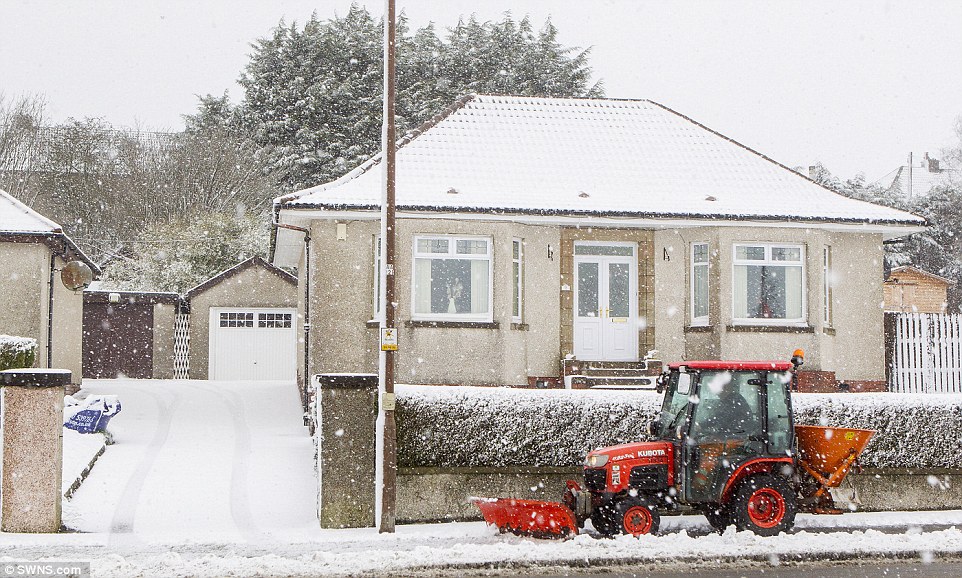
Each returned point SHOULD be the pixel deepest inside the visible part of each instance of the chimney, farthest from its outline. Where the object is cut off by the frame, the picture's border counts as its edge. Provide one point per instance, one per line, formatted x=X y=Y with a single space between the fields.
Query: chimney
x=933 y=164
x=812 y=172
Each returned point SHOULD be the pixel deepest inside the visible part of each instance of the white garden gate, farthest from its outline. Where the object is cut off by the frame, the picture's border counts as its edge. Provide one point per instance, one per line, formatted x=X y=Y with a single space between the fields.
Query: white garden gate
x=926 y=354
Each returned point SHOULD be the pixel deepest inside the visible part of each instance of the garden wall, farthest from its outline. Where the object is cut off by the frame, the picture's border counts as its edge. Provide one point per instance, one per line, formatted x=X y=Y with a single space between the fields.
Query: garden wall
x=455 y=442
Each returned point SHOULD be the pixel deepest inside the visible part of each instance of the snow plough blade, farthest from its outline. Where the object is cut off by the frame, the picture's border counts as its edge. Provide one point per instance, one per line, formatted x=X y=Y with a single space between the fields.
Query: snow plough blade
x=528 y=517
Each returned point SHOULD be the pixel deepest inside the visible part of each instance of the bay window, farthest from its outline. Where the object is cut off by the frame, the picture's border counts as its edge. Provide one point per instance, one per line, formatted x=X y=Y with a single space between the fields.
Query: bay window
x=769 y=284
x=452 y=278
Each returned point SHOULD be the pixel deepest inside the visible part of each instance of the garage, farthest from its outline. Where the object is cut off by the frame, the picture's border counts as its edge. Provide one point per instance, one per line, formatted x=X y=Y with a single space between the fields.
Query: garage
x=252 y=344
x=243 y=324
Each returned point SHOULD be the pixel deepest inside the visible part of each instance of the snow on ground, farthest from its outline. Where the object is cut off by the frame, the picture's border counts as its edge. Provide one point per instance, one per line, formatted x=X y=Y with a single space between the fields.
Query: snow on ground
x=78 y=451
x=195 y=458
x=216 y=479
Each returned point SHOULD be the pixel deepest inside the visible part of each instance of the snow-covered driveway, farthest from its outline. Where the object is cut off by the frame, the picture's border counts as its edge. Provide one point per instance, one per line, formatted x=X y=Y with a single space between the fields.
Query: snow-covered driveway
x=197 y=459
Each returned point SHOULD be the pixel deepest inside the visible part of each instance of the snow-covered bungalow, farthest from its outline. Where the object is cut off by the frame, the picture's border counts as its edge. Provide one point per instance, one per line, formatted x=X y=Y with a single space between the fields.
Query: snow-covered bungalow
x=34 y=303
x=536 y=234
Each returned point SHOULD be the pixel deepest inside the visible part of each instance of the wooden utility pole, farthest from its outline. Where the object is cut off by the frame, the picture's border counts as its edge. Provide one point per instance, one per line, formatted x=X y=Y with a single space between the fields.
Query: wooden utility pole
x=386 y=476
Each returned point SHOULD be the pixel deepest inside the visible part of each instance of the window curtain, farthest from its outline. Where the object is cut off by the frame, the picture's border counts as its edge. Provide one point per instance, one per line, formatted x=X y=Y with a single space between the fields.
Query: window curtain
x=793 y=292
x=479 y=286
x=741 y=292
x=422 y=286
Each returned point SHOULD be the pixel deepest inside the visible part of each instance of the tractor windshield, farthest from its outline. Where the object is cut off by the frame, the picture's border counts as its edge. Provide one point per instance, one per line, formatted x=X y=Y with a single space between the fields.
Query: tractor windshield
x=675 y=406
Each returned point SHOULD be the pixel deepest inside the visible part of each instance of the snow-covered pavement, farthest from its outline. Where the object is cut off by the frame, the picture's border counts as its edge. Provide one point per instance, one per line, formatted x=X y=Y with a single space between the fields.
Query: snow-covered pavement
x=216 y=479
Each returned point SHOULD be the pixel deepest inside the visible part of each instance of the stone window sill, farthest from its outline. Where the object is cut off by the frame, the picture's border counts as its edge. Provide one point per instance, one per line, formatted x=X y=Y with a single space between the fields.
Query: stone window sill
x=771 y=328
x=453 y=324
x=699 y=329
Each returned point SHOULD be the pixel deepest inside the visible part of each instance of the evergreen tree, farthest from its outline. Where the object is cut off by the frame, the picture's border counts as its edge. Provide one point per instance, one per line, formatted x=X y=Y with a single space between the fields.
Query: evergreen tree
x=313 y=95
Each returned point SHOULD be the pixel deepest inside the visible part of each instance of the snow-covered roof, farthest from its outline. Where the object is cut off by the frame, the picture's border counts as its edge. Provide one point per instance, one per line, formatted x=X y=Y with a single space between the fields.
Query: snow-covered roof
x=562 y=156
x=922 y=181
x=16 y=217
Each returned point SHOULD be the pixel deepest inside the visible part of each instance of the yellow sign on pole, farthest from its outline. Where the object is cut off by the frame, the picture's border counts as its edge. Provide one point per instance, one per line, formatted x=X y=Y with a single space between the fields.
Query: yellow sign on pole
x=388 y=339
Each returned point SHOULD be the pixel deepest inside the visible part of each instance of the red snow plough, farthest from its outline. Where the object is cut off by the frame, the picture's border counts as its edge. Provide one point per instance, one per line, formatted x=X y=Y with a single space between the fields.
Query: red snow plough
x=724 y=445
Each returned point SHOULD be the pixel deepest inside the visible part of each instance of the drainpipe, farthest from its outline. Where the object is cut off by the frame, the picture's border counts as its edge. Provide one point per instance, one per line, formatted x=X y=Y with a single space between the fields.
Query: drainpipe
x=307 y=304
x=53 y=263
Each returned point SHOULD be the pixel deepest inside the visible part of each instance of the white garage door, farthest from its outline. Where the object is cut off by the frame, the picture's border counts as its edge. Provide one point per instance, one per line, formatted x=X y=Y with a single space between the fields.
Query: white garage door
x=253 y=344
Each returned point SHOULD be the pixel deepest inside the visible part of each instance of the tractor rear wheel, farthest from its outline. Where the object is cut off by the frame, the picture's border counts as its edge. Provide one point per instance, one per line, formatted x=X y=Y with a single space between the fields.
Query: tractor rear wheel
x=764 y=504
x=637 y=516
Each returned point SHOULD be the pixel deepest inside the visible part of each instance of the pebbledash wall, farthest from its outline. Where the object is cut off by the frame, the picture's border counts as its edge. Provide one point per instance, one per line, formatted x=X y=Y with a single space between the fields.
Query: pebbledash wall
x=344 y=338
x=849 y=347
x=24 y=304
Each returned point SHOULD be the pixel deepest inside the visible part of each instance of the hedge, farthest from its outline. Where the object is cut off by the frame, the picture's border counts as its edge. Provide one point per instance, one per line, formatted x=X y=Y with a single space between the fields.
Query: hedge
x=17 y=352
x=495 y=427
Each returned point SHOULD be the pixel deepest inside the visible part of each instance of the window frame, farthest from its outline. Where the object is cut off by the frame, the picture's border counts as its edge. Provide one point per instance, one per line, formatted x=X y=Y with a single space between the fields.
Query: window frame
x=376 y=302
x=486 y=317
x=701 y=321
x=827 y=286
x=769 y=262
x=517 y=290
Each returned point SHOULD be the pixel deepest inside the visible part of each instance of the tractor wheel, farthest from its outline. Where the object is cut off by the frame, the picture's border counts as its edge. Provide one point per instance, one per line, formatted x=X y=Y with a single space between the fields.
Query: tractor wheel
x=718 y=517
x=604 y=520
x=764 y=504
x=637 y=516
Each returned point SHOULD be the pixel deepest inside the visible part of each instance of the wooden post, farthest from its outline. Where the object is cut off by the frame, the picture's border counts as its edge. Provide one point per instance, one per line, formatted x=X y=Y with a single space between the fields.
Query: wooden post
x=387 y=470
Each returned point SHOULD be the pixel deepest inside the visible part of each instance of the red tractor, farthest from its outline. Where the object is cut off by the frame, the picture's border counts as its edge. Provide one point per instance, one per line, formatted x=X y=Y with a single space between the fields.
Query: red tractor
x=724 y=444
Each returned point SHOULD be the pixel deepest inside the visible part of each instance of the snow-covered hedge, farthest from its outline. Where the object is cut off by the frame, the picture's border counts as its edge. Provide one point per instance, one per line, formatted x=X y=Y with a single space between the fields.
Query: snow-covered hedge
x=493 y=427
x=17 y=352
x=484 y=426
x=912 y=430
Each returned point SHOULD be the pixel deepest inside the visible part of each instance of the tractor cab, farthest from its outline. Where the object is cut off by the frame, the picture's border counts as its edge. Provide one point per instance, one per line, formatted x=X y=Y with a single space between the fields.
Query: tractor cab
x=725 y=420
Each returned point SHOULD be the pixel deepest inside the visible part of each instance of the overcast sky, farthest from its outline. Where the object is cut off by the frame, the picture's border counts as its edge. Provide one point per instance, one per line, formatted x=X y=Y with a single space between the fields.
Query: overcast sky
x=856 y=85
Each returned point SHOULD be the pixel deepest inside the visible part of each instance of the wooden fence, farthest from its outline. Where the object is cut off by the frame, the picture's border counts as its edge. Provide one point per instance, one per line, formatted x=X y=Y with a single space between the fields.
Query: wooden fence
x=924 y=352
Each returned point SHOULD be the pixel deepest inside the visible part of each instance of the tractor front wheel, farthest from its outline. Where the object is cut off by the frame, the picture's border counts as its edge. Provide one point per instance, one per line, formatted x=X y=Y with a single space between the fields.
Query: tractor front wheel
x=637 y=516
x=764 y=504
x=718 y=517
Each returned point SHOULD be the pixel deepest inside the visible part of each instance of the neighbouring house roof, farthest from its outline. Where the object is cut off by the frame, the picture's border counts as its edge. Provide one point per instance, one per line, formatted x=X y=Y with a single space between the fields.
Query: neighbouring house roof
x=917 y=271
x=20 y=223
x=587 y=157
x=924 y=178
x=239 y=268
x=16 y=217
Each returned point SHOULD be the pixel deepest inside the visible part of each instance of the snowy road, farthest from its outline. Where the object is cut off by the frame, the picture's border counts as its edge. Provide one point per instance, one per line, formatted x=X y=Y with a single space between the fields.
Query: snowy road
x=194 y=459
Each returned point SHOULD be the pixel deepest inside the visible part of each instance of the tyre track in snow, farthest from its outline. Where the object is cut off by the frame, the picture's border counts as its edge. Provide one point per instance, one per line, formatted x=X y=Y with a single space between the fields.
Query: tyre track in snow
x=126 y=510
x=240 y=506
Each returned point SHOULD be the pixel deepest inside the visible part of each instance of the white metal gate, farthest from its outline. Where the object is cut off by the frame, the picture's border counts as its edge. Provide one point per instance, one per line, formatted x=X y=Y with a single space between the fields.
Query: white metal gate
x=182 y=346
x=927 y=353
x=252 y=344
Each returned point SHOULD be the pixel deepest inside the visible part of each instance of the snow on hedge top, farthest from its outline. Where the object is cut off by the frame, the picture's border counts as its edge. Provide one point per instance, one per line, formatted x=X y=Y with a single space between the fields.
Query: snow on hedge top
x=19 y=218
x=17 y=344
x=588 y=156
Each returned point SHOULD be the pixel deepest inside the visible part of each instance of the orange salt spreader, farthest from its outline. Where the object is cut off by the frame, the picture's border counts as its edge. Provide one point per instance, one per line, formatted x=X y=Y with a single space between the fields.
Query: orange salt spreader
x=724 y=444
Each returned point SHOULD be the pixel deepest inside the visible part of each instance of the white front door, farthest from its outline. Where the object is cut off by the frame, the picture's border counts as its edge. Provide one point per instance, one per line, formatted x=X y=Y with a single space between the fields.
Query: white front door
x=255 y=344
x=605 y=302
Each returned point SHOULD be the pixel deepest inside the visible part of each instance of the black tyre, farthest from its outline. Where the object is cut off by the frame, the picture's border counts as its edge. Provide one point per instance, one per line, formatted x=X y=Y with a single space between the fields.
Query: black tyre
x=718 y=517
x=764 y=504
x=604 y=520
x=637 y=516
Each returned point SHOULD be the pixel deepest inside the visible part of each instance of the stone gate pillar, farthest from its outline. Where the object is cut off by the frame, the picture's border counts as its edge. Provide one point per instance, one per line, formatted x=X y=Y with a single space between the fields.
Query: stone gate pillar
x=346 y=409
x=31 y=401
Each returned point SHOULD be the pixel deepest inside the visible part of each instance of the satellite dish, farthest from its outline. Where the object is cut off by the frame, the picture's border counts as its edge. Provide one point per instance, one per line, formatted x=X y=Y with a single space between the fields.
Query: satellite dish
x=76 y=275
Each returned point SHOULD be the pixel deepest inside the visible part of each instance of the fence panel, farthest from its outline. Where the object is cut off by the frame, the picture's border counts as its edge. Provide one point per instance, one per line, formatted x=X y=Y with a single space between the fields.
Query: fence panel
x=926 y=353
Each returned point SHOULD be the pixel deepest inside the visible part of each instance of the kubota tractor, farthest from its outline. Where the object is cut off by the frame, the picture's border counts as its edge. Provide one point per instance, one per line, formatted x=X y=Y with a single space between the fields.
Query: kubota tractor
x=724 y=444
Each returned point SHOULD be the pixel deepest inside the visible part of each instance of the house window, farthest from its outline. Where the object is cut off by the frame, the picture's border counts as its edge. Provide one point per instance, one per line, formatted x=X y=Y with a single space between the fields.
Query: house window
x=516 y=276
x=236 y=319
x=699 y=284
x=827 y=286
x=274 y=320
x=452 y=278
x=768 y=283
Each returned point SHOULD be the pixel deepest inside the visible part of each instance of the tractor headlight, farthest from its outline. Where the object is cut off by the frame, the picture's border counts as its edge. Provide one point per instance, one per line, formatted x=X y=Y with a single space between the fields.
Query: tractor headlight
x=596 y=460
